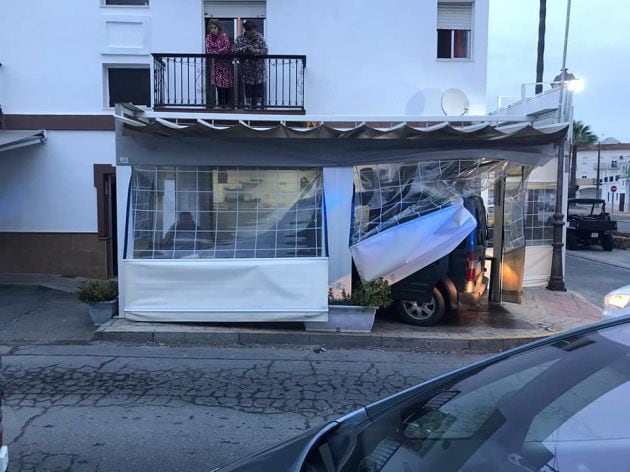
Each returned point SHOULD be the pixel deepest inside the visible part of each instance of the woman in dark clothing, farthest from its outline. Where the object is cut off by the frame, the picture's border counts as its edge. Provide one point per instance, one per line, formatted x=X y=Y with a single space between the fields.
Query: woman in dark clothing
x=252 y=43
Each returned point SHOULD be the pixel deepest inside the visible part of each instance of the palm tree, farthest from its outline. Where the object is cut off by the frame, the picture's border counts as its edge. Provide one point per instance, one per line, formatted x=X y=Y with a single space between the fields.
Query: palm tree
x=582 y=136
x=540 y=58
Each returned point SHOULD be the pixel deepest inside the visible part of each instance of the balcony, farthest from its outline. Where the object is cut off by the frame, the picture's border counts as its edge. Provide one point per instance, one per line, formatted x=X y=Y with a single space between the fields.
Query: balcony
x=258 y=84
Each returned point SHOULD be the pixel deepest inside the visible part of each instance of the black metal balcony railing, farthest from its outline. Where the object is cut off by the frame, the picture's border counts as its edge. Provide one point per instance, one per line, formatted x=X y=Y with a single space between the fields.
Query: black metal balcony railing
x=274 y=82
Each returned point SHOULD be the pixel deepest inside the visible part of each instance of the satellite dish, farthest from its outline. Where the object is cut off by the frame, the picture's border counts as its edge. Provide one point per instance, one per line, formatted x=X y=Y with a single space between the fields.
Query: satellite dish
x=455 y=102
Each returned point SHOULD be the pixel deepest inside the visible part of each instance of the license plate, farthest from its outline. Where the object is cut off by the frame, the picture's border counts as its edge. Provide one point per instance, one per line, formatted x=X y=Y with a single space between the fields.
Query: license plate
x=594 y=235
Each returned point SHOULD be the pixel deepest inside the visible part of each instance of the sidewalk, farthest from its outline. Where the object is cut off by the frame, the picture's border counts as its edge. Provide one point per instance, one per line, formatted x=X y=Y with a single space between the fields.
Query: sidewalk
x=487 y=328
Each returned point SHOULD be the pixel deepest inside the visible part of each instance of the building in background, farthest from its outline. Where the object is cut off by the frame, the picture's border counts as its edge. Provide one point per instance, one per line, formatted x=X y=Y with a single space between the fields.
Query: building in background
x=614 y=171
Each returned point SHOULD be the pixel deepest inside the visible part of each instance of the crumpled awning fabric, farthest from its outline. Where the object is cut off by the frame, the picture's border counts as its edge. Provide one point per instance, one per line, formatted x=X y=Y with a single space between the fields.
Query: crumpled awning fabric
x=402 y=250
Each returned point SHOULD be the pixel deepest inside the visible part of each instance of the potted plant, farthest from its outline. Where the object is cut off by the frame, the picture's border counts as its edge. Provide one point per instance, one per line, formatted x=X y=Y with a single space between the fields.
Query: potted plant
x=101 y=297
x=354 y=313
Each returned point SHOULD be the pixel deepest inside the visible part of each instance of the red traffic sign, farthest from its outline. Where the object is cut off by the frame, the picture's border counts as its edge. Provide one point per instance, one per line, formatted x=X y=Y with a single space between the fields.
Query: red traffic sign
x=613 y=189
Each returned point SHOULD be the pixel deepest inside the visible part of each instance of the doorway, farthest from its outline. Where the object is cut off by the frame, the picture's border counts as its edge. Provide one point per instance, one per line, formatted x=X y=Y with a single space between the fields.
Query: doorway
x=105 y=183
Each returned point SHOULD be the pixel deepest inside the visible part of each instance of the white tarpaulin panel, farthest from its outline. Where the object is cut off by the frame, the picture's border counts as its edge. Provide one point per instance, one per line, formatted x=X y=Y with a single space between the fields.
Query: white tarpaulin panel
x=404 y=249
x=226 y=290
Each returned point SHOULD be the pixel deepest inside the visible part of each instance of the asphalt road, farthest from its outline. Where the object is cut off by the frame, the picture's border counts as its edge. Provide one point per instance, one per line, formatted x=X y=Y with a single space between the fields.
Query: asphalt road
x=107 y=407
x=594 y=279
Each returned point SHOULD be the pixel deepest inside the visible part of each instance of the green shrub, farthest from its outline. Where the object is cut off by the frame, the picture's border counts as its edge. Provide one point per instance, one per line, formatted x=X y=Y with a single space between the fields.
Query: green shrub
x=94 y=291
x=375 y=293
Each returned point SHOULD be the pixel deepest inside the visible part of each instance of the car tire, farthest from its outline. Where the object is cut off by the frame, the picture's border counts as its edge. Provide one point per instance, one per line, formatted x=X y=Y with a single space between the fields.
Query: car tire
x=608 y=242
x=572 y=241
x=423 y=314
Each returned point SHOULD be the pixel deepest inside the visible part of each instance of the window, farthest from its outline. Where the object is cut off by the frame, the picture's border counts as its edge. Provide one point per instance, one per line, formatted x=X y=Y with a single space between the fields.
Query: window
x=128 y=85
x=584 y=177
x=229 y=14
x=541 y=201
x=616 y=178
x=225 y=213
x=605 y=179
x=126 y=2
x=454 y=25
x=233 y=29
x=613 y=164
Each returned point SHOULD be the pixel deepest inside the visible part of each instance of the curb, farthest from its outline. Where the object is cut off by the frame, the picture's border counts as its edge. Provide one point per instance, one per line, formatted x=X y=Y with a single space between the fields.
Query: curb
x=191 y=337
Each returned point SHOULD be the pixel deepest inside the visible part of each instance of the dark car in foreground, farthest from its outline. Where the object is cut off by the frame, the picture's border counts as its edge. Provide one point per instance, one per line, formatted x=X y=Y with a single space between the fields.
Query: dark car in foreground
x=557 y=404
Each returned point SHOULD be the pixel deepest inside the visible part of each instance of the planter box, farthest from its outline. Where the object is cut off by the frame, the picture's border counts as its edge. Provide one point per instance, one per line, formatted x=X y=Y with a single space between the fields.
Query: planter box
x=101 y=312
x=345 y=319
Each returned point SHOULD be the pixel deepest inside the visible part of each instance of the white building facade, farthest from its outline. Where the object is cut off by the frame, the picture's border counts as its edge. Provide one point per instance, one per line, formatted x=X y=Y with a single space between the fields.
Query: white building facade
x=62 y=73
x=614 y=172
x=65 y=205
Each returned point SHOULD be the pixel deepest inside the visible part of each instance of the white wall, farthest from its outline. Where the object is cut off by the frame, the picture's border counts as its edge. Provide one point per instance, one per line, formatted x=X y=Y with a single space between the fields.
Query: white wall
x=50 y=187
x=52 y=52
x=376 y=58
x=373 y=58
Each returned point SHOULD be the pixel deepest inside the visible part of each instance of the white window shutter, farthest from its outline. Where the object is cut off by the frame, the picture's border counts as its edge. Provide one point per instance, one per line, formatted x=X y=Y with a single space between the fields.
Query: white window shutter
x=235 y=8
x=457 y=16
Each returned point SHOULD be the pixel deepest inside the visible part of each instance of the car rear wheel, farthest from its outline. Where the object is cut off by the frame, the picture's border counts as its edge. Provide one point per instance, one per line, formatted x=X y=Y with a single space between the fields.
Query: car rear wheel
x=423 y=314
x=607 y=242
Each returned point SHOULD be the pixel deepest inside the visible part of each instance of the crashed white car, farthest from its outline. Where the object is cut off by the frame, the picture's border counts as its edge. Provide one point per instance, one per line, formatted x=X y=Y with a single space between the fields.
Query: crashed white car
x=617 y=303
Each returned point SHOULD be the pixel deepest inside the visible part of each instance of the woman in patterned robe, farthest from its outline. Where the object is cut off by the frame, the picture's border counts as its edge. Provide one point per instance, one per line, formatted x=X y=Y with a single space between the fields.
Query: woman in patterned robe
x=221 y=75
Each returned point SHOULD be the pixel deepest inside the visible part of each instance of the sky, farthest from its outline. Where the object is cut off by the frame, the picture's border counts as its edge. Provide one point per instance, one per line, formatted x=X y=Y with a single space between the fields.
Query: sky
x=598 y=52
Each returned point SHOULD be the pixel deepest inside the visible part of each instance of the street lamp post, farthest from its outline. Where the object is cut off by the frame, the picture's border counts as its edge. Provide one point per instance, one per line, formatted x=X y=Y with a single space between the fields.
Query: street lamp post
x=556 y=277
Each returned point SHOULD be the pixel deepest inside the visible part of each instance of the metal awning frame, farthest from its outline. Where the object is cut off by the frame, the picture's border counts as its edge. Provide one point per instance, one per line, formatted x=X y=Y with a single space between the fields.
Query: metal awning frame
x=20 y=138
x=325 y=141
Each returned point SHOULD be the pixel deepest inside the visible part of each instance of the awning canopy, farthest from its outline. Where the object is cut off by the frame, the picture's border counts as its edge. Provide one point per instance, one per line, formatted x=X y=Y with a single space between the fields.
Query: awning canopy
x=160 y=141
x=11 y=139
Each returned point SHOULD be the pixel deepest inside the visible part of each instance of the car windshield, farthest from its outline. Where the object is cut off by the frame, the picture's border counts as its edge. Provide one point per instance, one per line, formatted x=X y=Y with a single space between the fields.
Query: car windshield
x=557 y=407
x=586 y=209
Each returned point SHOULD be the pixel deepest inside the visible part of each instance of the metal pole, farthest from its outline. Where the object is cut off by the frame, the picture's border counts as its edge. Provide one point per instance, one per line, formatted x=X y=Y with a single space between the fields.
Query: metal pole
x=599 y=156
x=556 y=277
x=564 y=61
x=540 y=56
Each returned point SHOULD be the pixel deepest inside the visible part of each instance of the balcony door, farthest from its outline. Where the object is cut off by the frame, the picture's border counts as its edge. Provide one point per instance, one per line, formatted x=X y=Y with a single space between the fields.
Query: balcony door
x=232 y=14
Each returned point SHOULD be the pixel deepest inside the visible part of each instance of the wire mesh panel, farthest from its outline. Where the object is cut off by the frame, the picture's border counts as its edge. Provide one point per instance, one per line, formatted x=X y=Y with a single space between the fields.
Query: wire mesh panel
x=388 y=195
x=514 y=211
x=214 y=212
x=541 y=202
